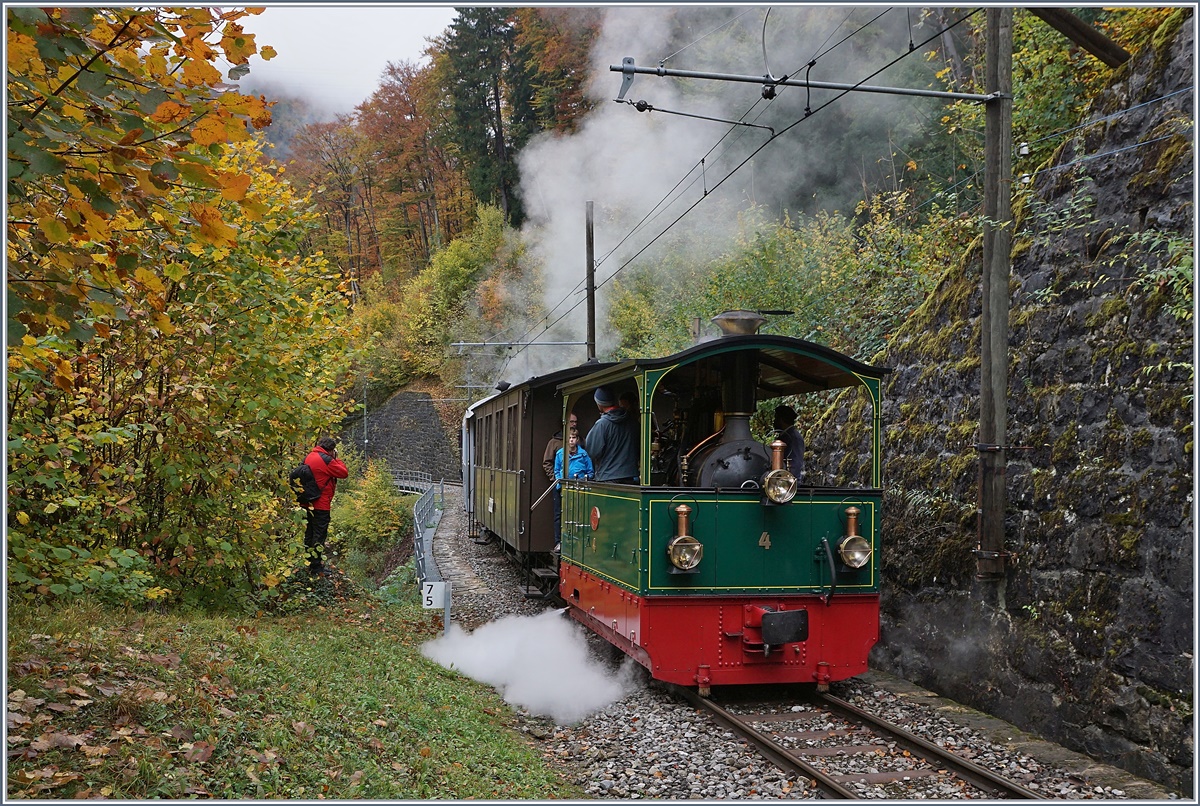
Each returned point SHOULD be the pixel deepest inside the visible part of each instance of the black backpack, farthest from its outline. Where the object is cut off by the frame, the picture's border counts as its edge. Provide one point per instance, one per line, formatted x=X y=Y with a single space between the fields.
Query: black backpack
x=304 y=484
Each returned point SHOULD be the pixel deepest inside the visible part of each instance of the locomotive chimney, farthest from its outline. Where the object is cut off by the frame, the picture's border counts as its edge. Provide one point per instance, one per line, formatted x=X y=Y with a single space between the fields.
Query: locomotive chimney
x=738 y=323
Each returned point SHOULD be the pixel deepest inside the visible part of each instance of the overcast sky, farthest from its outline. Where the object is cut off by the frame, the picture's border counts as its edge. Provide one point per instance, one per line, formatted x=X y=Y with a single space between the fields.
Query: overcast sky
x=335 y=53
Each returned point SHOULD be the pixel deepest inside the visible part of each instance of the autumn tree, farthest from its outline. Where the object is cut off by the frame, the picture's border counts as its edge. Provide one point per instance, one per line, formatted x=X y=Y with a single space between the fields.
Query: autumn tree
x=423 y=201
x=103 y=108
x=556 y=42
x=162 y=324
x=339 y=165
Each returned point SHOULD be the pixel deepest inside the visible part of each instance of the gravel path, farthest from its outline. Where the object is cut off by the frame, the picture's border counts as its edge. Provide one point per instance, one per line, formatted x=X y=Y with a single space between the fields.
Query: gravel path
x=651 y=744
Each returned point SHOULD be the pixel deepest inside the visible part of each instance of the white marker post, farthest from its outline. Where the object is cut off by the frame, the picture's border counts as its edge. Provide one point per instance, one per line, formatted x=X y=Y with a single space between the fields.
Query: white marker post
x=435 y=595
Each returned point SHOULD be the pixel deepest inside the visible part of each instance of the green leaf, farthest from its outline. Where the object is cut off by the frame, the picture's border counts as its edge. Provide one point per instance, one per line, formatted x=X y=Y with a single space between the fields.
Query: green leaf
x=58 y=589
x=125 y=561
x=43 y=162
x=80 y=331
x=150 y=100
x=92 y=81
x=62 y=553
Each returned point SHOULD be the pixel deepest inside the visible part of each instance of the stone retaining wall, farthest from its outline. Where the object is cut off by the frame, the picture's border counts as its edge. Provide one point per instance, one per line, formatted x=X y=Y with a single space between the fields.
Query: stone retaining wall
x=1088 y=641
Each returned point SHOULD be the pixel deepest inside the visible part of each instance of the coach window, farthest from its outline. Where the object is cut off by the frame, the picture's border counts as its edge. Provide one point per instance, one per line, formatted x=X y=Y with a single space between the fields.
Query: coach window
x=487 y=440
x=512 y=437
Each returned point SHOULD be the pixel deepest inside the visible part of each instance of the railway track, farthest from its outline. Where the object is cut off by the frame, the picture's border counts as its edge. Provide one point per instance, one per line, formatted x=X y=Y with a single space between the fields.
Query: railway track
x=849 y=754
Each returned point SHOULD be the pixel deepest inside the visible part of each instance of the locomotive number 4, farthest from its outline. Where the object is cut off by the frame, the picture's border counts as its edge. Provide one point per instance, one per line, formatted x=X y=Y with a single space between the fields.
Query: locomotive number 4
x=765 y=540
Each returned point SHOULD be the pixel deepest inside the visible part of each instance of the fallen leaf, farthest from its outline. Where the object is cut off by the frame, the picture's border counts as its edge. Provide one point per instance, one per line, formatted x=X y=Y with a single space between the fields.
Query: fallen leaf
x=304 y=730
x=199 y=752
x=50 y=741
x=383 y=723
x=95 y=751
x=180 y=732
x=15 y=720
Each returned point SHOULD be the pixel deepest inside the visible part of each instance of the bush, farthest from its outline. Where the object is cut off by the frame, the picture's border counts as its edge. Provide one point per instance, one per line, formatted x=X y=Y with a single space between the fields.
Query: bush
x=370 y=519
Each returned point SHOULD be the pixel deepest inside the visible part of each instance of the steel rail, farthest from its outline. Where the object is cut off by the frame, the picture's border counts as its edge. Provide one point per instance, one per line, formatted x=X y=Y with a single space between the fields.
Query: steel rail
x=770 y=750
x=967 y=770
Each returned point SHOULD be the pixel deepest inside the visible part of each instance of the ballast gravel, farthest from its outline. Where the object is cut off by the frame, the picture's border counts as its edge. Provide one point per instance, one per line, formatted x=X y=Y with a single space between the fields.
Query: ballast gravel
x=653 y=745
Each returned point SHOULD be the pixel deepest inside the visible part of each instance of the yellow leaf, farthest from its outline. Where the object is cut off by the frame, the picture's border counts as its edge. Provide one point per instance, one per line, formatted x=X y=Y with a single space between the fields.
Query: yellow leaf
x=209 y=130
x=234 y=187
x=54 y=229
x=171 y=112
x=212 y=229
x=163 y=323
x=149 y=279
x=22 y=54
x=266 y=53
x=23 y=519
x=197 y=72
x=238 y=44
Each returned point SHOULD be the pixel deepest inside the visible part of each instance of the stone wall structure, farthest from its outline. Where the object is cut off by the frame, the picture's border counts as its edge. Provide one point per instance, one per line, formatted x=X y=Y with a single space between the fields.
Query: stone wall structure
x=1088 y=639
x=407 y=431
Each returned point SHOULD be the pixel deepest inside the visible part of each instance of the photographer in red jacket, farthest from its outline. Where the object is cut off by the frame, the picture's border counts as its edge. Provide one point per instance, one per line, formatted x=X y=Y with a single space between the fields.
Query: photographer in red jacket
x=326 y=469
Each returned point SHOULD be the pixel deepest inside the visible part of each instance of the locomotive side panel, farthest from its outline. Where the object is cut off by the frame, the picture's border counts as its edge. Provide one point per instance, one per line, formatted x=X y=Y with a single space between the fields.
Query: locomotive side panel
x=750 y=548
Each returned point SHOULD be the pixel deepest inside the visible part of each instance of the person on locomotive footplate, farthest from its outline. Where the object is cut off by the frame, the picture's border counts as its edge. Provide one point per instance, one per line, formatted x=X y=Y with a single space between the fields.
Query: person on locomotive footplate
x=553 y=447
x=785 y=424
x=613 y=441
x=576 y=465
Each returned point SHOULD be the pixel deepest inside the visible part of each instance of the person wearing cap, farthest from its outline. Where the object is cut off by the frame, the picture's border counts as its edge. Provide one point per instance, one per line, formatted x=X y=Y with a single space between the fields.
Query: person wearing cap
x=785 y=424
x=613 y=441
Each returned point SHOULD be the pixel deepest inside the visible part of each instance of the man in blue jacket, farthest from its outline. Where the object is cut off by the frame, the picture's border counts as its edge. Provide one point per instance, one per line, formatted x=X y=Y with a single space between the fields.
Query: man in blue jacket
x=613 y=441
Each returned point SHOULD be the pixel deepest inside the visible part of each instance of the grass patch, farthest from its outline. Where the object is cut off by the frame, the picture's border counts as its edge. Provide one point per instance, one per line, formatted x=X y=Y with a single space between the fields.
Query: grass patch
x=329 y=701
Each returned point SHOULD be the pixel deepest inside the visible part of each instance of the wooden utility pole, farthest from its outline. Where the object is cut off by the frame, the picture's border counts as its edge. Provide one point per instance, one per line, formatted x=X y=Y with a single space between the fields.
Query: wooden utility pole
x=591 y=285
x=997 y=255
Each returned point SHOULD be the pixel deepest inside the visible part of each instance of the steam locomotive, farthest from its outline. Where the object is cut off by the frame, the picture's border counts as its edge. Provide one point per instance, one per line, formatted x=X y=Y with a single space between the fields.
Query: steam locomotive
x=719 y=566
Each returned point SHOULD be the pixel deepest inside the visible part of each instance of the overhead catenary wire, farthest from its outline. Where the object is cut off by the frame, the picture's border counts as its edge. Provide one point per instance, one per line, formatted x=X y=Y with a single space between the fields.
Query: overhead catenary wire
x=737 y=167
x=667 y=199
x=545 y=323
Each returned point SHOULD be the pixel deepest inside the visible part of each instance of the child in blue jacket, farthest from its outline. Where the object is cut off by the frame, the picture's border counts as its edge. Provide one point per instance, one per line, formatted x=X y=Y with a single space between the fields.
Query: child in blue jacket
x=580 y=464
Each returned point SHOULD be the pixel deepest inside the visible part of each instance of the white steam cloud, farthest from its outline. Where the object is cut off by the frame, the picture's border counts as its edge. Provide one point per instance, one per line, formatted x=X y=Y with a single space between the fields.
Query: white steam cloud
x=540 y=663
x=627 y=163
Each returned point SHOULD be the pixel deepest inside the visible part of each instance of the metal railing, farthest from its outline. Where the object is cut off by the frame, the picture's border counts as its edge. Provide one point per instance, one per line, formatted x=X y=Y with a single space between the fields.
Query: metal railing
x=416 y=481
x=427 y=513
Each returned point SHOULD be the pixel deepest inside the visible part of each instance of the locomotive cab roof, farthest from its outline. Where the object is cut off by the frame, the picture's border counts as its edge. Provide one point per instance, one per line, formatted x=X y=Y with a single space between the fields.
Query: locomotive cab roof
x=786 y=366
